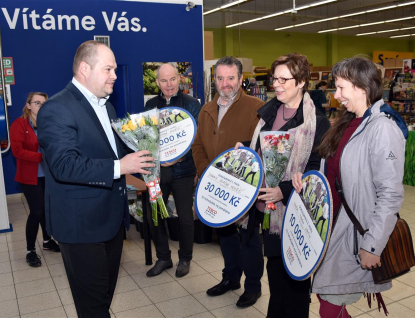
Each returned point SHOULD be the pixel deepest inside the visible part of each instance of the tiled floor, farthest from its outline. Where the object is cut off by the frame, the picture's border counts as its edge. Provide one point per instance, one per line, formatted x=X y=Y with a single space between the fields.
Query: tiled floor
x=44 y=291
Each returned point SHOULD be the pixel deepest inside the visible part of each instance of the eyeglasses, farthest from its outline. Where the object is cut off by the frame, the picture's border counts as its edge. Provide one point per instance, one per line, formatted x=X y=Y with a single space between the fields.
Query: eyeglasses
x=281 y=80
x=37 y=103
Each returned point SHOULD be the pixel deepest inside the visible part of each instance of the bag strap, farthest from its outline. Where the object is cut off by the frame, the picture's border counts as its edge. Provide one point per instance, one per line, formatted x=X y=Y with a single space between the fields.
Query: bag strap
x=349 y=212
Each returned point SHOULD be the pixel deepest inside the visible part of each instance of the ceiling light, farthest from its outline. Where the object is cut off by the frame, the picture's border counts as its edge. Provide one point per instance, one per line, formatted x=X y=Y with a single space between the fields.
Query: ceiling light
x=380 y=9
x=282 y=12
x=353 y=14
x=368 y=33
x=400 y=19
x=372 y=23
x=401 y=36
x=406 y=4
x=228 y=5
x=366 y=24
x=385 y=31
x=324 y=31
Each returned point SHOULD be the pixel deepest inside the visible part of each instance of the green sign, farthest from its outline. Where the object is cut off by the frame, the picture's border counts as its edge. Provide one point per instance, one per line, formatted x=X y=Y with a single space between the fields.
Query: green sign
x=8 y=70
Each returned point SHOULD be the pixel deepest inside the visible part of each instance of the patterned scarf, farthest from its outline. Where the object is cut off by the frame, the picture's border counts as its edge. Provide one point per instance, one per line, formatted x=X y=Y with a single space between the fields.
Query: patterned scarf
x=302 y=139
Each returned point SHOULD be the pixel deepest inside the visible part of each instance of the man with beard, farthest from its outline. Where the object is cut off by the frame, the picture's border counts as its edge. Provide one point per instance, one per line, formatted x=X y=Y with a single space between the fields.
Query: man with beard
x=231 y=117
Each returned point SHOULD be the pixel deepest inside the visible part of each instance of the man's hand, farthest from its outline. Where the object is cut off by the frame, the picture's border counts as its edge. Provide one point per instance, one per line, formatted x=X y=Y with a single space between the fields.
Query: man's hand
x=135 y=162
x=369 y=260
x=169 y=164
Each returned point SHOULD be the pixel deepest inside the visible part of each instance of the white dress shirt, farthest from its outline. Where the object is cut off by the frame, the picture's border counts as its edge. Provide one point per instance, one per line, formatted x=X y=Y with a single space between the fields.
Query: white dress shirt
x=98 y=105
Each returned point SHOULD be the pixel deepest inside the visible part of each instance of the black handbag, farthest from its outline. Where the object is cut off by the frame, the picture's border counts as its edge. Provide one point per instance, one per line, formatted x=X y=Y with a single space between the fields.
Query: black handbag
x=398 y=256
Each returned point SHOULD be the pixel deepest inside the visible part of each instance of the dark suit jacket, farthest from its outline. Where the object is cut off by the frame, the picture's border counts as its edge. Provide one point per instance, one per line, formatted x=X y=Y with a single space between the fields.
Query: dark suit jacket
x=84 y=204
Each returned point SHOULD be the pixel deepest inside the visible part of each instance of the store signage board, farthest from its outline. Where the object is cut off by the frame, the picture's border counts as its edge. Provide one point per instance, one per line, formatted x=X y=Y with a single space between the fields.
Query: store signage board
x=306 y=226
x=177 y=132
x=8 y=70
x=228 y=187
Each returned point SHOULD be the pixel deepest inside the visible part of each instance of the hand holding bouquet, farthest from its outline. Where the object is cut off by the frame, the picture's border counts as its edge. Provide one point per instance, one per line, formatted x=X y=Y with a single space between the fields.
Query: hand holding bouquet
x=141 y=132
x=276 y=151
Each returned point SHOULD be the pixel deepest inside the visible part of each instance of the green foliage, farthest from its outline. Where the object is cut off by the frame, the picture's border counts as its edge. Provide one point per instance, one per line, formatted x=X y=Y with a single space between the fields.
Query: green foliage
x=149 y=82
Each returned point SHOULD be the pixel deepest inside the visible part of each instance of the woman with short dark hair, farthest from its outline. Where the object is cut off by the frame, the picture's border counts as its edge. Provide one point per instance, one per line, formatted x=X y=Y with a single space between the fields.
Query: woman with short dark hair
x=291 y=110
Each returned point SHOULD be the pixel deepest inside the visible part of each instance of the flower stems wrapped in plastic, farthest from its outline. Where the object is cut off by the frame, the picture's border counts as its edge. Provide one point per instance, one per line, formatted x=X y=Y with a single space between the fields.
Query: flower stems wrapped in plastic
x=276 y=151
x=141 y=132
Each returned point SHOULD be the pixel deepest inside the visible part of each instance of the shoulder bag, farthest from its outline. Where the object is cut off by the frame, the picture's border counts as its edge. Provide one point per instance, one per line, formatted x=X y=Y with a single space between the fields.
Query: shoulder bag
x=398 y=256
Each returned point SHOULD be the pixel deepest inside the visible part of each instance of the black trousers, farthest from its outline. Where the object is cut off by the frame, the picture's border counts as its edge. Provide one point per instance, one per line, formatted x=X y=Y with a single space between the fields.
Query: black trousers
x=182 y=190
x=35 y=196
x=92 y=271
x=289 y=298
x=242 y=252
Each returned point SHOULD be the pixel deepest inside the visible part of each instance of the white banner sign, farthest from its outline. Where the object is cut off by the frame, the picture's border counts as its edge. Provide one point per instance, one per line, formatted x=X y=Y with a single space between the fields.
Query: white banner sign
x=177 y=132
x=306 y=226
x=228 y=187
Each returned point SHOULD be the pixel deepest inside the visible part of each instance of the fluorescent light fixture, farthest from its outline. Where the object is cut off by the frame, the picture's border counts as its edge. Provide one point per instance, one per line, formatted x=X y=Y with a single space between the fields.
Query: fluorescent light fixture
x=381 y=9
x=282 y=12
x=400 y=19
x=368 y=33
x=301 y=24
x=406 y=4
x=331 y=30
x=372 y=23
x=349 y=27
x=401 y=36
x=366 y=24
x=354 y=14
x=385 y=31
x=351 y=14
x=227 y=5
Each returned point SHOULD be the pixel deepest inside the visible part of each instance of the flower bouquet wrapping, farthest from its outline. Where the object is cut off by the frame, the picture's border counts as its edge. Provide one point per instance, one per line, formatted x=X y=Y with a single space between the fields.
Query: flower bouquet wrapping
x=141 y=132
x=136 y=210
x=276 y=151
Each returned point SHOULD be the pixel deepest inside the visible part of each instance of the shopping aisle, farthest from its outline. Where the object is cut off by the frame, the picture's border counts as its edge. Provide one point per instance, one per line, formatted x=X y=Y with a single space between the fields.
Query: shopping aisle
x=44 y=291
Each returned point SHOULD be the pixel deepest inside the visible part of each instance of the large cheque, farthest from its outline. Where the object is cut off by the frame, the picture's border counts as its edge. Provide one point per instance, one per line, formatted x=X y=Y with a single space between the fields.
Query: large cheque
x=177 y=132
x=228 y=187
x=307 y=226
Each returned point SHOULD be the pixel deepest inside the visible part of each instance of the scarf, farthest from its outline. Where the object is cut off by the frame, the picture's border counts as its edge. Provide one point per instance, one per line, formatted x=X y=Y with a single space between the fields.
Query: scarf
x=302 y=140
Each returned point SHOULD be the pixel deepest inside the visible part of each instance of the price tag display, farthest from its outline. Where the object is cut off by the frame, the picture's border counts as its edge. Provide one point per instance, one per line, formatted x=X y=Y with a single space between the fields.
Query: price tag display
x=228 y=187
x=306 y=226
x=177 y=132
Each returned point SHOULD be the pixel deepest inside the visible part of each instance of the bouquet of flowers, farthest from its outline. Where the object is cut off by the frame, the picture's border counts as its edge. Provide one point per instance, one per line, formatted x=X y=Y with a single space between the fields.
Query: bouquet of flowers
x=276 y=151
x=141 y=132
x=136 y=210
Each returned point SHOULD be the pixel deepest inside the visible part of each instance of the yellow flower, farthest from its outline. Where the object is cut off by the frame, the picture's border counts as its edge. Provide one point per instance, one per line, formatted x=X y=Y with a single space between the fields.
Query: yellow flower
x=141 y=121
x=131 y=125
x=154 y=120
x=124 y=128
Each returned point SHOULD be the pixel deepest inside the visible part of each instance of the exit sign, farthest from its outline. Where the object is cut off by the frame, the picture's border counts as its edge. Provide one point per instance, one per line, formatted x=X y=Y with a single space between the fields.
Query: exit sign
x=8 y=70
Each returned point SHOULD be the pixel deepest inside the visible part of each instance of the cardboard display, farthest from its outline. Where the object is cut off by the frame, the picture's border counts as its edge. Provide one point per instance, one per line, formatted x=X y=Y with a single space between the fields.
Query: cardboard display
x=177 y=132
x=228 y=187
x=306 y=226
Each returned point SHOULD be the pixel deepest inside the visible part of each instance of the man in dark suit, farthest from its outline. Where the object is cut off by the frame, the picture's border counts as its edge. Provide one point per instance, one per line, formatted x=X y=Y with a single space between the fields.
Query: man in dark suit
x=86 y=203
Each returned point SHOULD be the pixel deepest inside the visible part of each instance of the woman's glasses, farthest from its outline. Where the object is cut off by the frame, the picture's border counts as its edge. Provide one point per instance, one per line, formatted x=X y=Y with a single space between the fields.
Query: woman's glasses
x=281 y=80
x=37 y=103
